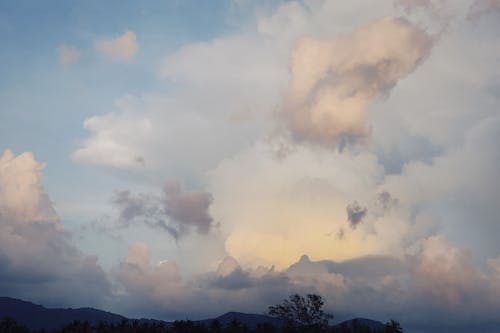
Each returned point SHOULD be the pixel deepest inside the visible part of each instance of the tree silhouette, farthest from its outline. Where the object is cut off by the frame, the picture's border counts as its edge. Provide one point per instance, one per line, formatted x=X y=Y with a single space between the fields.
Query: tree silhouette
x=9 y=325
x=303 y=313
x=393 y=326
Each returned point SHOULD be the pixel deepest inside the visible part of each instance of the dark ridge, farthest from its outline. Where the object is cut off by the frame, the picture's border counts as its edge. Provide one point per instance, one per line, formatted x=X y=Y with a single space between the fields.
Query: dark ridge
x=248 y=319
x=361 y=322
x=35 y=316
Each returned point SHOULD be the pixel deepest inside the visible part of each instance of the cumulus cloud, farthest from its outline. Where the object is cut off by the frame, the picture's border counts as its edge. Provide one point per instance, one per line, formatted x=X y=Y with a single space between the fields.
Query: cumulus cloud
x=334 y=81
x=299 y=202
x=122 y=47
x=228 y=87
x=458 y=195
x=160 y=286
x=142 y=283
x=444 y=271
x=112 y=144
x=436 y=283
x=175 y=210
x=68 y=55
x=38 y=260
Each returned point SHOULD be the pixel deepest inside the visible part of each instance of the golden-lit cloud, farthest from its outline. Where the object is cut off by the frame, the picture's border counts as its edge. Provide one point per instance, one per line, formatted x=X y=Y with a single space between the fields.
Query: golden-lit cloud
x=334 y=81
x=274 y=210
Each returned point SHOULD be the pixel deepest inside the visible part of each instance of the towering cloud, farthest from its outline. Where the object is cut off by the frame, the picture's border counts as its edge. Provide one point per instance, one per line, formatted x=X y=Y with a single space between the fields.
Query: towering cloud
x=37 y=260
x=275 y=210
x=334 y=81
x=427 y=179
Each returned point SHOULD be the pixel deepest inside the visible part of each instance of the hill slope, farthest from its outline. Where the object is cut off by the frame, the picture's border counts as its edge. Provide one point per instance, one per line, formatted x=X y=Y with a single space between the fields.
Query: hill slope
x=249 y=319
x=359 y=322
x=36 y=316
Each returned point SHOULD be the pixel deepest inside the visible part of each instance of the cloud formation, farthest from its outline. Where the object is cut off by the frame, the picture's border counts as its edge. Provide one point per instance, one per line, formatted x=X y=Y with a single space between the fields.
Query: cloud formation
x=423 y=286
x=175 y=211
x=426 y=173
x=334 y=81
x=122 y=47
x=299 y=203
x=37 y=259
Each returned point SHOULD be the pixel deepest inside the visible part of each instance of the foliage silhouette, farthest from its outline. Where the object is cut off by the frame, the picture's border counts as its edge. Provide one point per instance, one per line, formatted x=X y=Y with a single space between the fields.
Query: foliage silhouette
x=302 y=313
x=393 y=326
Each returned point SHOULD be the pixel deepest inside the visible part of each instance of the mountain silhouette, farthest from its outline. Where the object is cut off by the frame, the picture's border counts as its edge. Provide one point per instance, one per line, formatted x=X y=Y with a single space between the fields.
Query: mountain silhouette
x=248 y=319
x=352 y=323
x=36 y=316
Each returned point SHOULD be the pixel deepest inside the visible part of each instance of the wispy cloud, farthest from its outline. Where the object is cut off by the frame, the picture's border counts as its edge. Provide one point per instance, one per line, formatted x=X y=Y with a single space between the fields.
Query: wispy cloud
x=68 y=55
x=123 y=47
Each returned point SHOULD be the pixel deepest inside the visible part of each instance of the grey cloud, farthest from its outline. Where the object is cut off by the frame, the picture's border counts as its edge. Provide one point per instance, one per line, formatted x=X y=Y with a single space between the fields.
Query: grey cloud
x=146 y=288
x=238 y=279
x=135 y=206
x=415 y=290
x=386 y=201
x=410 y=5
x=188 y=208
x=480 y=8
x=176 y=211
x=355 y=213
x=365 y=267
x=432 y=14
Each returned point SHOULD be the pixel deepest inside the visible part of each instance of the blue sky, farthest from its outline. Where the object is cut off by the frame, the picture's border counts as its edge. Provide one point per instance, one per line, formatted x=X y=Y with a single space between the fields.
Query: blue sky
x=173 y=150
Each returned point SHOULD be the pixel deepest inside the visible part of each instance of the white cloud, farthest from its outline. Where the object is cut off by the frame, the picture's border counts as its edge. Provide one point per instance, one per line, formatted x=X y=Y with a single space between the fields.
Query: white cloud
x=229 y=87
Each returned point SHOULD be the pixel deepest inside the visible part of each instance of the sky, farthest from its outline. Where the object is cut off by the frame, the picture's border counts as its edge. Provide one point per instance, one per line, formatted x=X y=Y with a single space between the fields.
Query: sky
x=181 y=159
